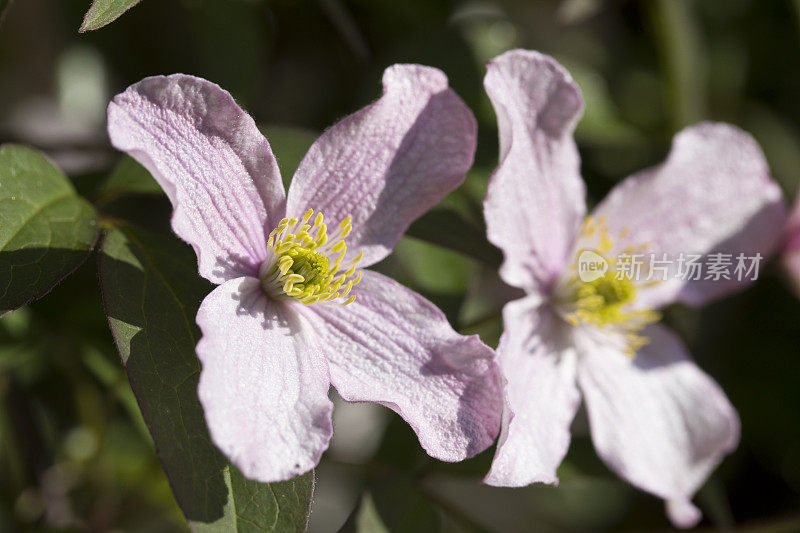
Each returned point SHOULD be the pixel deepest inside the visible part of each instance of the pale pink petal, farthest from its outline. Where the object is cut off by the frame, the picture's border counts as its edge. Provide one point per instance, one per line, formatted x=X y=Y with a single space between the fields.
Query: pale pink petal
x=213 y=163
x=657 y=420
x=393 y=347
x=535 y=202
x=541 y=394
x=791 y=251
x=682 y=513
x=713 y=194
x=390 y=162
x=264 y=383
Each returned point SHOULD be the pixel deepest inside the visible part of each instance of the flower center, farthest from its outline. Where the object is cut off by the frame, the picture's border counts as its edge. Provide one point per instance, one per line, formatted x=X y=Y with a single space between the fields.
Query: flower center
x=601 y=294
x=305 y=263
x=605 y=302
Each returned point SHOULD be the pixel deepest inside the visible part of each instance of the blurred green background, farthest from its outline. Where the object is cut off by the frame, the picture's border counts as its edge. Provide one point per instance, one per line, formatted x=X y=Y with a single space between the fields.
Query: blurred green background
x=74 y=452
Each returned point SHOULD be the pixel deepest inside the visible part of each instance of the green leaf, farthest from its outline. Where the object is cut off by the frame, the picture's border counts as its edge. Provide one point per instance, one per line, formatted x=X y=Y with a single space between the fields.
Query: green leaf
x=289 y=144
x=46 y=229
x=393 y=504
x=433 y=268
x=447 y=228
x=128 y=177
x=151 y=292
x=104 y=12
x=365 y=518
x=401 y=506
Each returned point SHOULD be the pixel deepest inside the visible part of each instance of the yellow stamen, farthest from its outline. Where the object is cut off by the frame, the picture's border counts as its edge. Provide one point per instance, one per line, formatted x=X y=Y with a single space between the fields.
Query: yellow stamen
x=303 y=265
x=606 y=301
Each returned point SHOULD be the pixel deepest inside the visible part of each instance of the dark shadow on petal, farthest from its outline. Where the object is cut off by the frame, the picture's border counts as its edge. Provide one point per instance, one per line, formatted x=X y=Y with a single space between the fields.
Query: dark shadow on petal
x=253 y=301
x=481 y=396
x=227 y=267
x=481 y=399
x=764 y=224
x=422 y=194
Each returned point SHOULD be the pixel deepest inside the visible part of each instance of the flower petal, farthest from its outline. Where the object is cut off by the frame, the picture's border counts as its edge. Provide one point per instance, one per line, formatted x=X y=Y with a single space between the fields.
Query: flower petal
x=791 y=251
x=713 y=194
x=390 y=162
x=657 y=420
x=393 y=347
x=682 y=513
x=215 y=166
x=264 y=383
x=541 y=394
x=535 y=203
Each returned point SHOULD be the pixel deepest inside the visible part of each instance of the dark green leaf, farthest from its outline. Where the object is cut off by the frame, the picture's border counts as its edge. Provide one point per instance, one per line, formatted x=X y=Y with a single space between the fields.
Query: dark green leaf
x=104 y=12
x=397 y=503
x=289 y=144
x=151 y=292
x=364 y=518
x=447 y=228
x=128 y=177
x=46 y=229
x=433 y=269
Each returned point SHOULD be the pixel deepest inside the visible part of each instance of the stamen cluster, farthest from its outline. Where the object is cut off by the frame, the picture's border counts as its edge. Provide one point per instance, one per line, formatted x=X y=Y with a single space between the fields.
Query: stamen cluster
x=300 y=262
x=607 y=301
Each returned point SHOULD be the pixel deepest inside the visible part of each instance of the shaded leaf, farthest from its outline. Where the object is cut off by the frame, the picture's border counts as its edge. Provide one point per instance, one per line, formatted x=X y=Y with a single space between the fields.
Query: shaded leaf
x=398 y=504
x=128 y=177
x=447 y=228
x=289 y=144
x=104 y=12
x=151 y=292
x=432 y=268
x=364 y=518
x=46 y=229
x=579 y=503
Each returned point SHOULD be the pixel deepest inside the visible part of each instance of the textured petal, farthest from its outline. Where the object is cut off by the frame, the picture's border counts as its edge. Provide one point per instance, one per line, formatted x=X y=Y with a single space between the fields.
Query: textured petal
x=390 y=162
x=395 y=348
x=536 y=199
x=713 y=194
x=791 y=254
x=213 y=163
x=657 y=420
x=264 y=384
x=541 y=395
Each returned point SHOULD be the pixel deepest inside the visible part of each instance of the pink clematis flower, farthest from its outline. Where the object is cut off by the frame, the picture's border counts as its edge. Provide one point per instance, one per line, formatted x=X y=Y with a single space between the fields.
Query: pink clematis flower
x=791 y=249
x=656 y=418
x=291 y=314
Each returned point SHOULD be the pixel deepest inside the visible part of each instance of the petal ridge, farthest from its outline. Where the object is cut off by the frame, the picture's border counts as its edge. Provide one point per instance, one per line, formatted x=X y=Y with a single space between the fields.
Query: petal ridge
x=211 y=160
